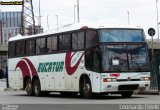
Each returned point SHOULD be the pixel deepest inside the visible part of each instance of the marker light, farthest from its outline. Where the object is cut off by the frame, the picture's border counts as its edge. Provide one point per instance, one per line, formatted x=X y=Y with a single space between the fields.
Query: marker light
x=84 y=27
x=109 y=79
x=145 y=78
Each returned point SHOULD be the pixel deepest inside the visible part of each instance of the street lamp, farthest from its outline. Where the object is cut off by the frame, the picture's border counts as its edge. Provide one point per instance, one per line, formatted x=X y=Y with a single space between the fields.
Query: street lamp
x=157 y=19
x=128 y=17
x=78 y=11
x=75 y=13
x=57 y=19
x=39 y=16
x=47 y=22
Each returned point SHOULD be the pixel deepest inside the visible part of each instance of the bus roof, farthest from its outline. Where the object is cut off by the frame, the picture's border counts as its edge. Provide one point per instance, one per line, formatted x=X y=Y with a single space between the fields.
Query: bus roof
x=72 y=27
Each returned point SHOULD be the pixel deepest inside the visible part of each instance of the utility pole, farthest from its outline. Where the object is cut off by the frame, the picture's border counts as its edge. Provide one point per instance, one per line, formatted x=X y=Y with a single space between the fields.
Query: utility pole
x=128 y=17
x=157 y=19
x=27 y=17
x=78 y=11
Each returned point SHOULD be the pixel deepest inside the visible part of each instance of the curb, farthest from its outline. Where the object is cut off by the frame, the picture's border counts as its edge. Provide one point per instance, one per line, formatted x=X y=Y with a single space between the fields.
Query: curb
x=147 y=93
x=10 y=89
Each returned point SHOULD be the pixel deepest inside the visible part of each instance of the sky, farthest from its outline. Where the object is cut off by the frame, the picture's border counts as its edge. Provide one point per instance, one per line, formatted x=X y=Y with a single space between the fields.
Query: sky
x=141 y=12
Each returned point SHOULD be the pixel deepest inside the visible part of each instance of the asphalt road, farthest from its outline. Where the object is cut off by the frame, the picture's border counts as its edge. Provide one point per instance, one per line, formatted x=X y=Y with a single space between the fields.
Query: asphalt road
x=20 y=100
x=20 y=97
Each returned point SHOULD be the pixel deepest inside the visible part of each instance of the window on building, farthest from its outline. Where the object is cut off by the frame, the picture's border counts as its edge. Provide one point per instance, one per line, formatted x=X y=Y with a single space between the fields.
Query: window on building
x=40 y=45
x=51 y=44
x=78 y=40
x=91 y=38
x=64 y=42
x=30 y=47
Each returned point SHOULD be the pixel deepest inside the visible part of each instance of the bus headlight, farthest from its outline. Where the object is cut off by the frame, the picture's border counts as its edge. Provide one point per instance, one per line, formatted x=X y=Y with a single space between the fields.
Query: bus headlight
x=109 y=79
x=145 y=78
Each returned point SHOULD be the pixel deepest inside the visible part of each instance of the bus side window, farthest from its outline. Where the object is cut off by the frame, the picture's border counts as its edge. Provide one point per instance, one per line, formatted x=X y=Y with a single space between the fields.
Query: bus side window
x=40 y=45
x=91 y=38
x=78 y=40
x=11 y=49
x=30 y=47
x=51 y=44
x=64 y=42
x=20 y=48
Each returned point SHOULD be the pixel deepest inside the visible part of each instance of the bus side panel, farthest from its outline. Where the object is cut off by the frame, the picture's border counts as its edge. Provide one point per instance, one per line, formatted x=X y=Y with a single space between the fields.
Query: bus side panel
x=15 y=75
x=76 y=70
x=96 y=81
x=47 y=79
x=58 y=72
x=72 y=81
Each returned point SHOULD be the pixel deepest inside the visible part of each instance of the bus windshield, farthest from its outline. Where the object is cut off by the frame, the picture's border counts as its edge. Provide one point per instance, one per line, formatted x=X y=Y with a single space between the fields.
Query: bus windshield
x=126 y=57
x=121 y=35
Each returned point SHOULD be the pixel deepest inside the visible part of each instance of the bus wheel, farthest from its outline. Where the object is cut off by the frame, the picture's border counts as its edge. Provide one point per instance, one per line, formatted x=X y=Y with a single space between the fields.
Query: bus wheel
x=37 y=87
x=29 y=88
x=85 y=88
x=127 y=94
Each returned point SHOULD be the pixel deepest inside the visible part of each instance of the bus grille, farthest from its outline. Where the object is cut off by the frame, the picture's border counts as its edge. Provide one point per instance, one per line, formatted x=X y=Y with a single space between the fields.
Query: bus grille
x=128 y=87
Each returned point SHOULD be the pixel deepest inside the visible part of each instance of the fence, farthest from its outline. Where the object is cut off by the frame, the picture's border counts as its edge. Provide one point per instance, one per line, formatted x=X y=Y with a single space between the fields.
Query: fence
x=3 y=62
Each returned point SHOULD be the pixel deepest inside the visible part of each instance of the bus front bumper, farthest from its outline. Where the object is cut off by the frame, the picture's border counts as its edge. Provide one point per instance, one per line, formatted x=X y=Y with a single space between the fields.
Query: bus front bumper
x=125 y=86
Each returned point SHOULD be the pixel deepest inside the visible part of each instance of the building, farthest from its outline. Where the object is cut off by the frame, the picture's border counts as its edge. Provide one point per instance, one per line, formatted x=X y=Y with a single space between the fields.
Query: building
x=30 y=30
x=10 y=25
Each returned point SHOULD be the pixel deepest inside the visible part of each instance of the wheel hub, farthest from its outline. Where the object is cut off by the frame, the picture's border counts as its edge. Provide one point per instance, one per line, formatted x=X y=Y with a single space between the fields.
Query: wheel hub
x=86 y=88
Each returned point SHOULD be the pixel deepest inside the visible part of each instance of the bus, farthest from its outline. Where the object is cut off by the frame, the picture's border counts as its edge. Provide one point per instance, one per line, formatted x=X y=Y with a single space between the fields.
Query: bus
x=79 y=58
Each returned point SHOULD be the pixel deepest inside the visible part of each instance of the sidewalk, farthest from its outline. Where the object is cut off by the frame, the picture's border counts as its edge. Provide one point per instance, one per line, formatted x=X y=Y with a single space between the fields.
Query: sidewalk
x=150 y=92
x=2 y=84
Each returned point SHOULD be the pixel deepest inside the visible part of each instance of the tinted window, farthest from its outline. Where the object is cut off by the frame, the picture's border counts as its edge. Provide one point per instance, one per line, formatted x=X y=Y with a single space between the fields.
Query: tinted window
x=51 y=44
x=30 y=47
x=96 y=59
x=64 y=42
x=40 y=45
x=20 y=48
x=88 y=60
x=11 y=49
x=121 y=35
x=91 y=38
x=78 y=40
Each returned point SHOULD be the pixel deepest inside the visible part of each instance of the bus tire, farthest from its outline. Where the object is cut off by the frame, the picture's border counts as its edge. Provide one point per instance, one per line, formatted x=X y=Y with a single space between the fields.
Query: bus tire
x=85 y=88
x=37 y=87
x=29 y=88
x=127 y=94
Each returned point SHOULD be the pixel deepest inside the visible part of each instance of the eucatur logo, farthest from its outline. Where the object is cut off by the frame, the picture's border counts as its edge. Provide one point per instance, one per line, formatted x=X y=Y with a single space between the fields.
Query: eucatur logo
x=26 y=67
x=72 y=61
x=72 y=58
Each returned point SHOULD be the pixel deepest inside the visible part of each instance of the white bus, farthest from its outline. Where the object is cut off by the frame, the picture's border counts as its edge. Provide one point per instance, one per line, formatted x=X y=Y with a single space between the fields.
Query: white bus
x=85 y=59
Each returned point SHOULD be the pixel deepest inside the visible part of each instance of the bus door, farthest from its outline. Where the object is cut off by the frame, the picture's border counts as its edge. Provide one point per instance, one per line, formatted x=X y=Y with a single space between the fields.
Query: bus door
x=92 y=63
